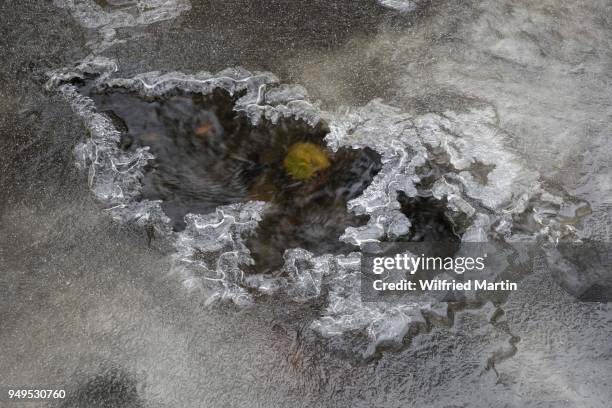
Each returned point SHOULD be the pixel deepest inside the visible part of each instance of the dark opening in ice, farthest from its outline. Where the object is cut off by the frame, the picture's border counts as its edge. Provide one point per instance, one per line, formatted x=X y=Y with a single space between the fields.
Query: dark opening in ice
x=429 y=218
x=207 y=155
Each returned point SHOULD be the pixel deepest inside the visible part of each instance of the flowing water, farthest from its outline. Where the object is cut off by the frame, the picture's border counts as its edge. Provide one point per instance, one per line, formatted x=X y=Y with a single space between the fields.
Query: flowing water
x=161 y=248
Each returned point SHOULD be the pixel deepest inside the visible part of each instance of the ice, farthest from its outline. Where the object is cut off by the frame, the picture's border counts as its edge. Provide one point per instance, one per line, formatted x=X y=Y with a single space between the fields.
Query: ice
x=305 y=273
x=211 y=254
x=459 y=159
x=403 y=6
x=124 y=13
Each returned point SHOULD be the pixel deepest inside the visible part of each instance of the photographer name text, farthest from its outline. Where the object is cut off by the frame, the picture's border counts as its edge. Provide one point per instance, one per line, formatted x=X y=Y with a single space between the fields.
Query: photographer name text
x=444 y=285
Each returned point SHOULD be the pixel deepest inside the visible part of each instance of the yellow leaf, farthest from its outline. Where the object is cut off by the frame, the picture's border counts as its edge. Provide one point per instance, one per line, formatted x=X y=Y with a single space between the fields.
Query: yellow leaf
x=304 y=160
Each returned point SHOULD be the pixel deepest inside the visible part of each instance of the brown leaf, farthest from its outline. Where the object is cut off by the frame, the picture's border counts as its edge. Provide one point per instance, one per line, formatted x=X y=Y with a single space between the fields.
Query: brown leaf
x=203 y=129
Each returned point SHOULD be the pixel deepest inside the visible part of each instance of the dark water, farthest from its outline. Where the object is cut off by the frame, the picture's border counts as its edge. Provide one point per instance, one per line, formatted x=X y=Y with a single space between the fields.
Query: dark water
x=207 y=155
x=429 y=219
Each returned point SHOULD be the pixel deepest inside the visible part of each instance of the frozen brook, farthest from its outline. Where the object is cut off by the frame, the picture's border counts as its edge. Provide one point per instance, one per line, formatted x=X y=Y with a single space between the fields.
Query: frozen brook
x=160 y=247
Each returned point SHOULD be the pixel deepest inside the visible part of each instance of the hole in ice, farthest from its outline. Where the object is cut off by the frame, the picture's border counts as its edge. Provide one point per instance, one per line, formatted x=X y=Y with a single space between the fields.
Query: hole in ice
x=429 y=219
x=207 y=155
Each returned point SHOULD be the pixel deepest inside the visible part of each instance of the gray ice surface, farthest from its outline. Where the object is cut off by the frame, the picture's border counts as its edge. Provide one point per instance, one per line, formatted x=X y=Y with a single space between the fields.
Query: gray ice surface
x=521 y=86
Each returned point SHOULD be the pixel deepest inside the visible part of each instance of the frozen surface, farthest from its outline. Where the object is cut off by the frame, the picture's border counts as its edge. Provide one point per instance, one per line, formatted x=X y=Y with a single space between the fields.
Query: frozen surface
x=120 y=14
x=519 y=86
x=402 y=6
x=505 y=204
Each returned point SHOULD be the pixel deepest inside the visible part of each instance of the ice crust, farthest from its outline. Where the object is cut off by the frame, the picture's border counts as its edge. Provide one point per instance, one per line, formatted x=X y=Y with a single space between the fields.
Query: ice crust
x=403 y=6
x=506 y=204
x=120 y=14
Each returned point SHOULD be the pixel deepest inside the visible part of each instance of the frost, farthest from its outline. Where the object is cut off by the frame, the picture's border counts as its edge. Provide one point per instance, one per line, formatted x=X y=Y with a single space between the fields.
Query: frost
x=305 y=273
x=286 y=101
x=122 y=13
x=211 y=254
x=403 y=6
x=459 y=159
x=381 y=323
x=477 y=175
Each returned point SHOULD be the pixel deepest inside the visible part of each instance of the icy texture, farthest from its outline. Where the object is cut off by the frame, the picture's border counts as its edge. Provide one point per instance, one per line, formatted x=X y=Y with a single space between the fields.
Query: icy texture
x=403 y=6
x=91 y=66
x=210 y=252
x=122 y=13
x=264 y=97
x=382 y=324
x=491 y=195
x=391 y=134
x=305 y=273
x=454 y=148
x=211 y=249
x=113 y=173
